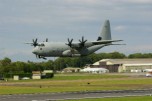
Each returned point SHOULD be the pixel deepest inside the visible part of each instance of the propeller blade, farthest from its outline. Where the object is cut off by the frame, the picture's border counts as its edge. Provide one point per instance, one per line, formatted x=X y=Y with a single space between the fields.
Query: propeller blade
x=68 y=40
x=82 y=38
x=85 y=41
x=71 y=41
x=33 y=40
x=79 y=40
x=46 y=39
x=36 y=40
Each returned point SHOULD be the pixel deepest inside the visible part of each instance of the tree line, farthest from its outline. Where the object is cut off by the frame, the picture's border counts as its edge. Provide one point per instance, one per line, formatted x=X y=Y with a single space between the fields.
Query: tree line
x=7 y=66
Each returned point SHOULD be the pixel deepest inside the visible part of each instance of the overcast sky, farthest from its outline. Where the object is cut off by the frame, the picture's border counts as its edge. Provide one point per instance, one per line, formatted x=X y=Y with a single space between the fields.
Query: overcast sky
x=57 y=20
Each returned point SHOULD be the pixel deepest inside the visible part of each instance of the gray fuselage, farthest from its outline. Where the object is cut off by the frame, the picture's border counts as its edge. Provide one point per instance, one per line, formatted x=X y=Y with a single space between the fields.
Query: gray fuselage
x=48 y=49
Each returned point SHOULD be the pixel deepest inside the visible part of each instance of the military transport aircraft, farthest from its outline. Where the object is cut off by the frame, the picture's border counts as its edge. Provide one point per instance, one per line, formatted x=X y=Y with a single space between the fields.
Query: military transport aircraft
x=73 y=49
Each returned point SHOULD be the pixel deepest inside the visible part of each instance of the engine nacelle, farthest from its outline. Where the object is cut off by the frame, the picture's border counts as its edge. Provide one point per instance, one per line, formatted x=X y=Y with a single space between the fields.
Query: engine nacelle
x=86 y=44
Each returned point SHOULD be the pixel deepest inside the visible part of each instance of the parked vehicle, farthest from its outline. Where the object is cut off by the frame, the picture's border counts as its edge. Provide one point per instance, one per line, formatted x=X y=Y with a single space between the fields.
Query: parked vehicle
x=25 y=78
x=148 y=74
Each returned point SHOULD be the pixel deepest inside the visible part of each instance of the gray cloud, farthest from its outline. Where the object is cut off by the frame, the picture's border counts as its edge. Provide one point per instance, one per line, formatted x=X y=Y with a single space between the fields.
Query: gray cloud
x=23 y=20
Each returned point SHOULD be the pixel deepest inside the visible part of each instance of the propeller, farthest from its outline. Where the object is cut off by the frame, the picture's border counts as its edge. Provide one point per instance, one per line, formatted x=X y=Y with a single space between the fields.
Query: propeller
x=82 y=41
x=35 y=43
x=69 y=42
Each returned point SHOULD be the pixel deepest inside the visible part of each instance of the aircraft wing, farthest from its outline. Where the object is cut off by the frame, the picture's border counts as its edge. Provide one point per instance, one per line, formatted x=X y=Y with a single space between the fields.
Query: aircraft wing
x=105 y=42
x=80 y=45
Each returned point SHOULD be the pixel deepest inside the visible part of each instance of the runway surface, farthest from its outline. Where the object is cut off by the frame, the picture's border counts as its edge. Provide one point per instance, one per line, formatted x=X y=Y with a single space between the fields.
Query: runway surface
x=74 y=95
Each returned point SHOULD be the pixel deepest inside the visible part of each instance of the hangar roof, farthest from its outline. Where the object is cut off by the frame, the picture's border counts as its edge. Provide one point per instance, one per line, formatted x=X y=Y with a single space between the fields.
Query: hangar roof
x=125 y=61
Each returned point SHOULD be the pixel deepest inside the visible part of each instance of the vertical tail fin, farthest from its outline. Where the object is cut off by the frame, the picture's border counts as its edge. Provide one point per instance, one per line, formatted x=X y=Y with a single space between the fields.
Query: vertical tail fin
x=106 y=32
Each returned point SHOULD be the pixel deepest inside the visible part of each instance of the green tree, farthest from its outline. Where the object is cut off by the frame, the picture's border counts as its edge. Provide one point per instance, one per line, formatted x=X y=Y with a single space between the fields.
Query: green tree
x=117 y=55
x=5 y=65
x=6 y=61
x=49 y=65
x=136 y=55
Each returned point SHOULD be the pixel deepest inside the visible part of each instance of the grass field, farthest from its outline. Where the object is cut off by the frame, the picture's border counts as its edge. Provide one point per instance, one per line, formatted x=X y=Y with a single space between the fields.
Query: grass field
x=75 y=82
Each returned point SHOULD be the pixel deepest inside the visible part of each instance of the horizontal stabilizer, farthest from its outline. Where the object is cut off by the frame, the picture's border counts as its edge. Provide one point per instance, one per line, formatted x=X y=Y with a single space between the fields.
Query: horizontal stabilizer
x=105 y=42
x=118 y=44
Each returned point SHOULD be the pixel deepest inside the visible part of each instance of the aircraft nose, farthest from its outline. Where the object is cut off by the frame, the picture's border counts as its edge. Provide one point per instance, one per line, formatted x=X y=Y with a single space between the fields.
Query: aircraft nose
x=35 y=51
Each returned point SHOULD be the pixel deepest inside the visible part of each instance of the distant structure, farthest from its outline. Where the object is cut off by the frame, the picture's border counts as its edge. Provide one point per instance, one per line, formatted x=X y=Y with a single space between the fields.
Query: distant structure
x=95 y=70
x=71 y=70
x=124 y=65
x=42 y=75
x=36 y=75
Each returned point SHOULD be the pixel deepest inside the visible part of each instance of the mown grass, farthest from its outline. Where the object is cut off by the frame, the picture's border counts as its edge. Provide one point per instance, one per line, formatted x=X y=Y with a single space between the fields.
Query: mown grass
x=75 y=82
x=139 y=98
x=78 y=76
x=85 y=76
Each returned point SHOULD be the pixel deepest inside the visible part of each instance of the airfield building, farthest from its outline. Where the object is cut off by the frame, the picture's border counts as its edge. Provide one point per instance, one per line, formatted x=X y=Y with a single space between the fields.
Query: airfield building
x=95 y=70
x=124 y=65
x=71 y=70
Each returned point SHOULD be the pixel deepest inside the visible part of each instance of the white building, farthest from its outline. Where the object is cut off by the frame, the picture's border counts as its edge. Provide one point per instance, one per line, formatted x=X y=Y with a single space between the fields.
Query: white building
x=95 y=70
x=124 y=65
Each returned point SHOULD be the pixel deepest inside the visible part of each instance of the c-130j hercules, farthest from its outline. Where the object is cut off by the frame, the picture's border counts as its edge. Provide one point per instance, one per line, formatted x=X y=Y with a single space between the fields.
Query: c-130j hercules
x=73 y=49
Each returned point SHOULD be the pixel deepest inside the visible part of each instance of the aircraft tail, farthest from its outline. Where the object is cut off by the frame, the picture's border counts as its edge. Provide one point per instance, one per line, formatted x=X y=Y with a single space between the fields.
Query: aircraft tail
x=106 y=32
